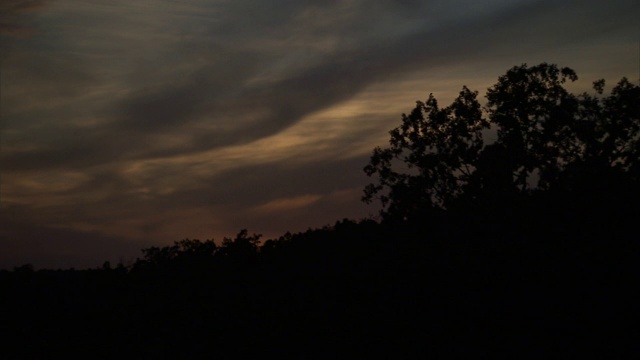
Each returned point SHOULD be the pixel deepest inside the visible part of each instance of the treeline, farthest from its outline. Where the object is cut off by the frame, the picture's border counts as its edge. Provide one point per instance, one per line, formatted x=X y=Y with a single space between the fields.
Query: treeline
x=351 y=289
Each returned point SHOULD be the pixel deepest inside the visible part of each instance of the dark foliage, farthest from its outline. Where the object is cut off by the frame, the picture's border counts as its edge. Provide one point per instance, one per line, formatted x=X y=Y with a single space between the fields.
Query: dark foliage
x=547 y=140
x=524 y=247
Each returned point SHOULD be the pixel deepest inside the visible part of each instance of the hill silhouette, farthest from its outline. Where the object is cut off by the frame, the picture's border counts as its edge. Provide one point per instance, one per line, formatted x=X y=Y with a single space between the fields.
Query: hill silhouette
x=524 y=247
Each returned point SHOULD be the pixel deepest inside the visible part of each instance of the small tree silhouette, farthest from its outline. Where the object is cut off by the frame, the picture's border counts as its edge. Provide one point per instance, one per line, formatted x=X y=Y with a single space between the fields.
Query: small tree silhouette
x=242 y=248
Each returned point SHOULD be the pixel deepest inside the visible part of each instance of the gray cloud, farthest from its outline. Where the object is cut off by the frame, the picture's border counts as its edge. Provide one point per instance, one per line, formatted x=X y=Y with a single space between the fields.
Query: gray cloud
x=215 y=106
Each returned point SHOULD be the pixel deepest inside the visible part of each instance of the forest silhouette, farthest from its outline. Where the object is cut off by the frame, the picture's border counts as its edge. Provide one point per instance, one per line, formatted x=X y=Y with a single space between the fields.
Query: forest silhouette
x=523 y=245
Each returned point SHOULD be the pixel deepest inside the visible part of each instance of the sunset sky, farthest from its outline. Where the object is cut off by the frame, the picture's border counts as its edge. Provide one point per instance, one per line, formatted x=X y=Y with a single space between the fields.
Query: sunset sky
x=126 y=124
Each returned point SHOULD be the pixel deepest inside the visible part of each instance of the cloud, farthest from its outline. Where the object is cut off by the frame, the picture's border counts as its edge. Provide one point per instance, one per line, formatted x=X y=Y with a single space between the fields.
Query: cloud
x=146 y=118
x=14 y=20
x=287 y=204
x=241 y=94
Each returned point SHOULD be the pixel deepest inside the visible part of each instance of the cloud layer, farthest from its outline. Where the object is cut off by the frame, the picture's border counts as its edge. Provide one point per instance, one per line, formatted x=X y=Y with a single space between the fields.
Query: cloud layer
x=154 y=120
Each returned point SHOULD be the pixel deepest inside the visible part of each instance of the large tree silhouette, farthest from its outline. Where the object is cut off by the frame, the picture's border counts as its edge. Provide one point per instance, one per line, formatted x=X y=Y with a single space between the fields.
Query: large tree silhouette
x=547 y=139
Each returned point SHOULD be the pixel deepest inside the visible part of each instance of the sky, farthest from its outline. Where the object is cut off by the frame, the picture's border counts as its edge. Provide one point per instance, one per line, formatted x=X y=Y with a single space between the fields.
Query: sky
x=127 y=124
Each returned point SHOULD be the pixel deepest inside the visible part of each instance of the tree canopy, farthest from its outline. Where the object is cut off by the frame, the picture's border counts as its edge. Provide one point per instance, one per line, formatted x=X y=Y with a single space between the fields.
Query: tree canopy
x=546 y=139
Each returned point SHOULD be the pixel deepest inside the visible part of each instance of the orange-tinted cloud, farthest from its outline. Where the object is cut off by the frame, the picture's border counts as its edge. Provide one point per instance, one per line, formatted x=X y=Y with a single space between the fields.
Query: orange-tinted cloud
x=287 y=204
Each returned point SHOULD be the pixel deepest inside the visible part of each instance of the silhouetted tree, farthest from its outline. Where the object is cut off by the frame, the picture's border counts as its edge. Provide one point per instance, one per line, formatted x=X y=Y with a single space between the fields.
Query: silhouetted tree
x=242 y=248
x=187 y=252
x=436 y=151
x=546 y=138
x=534 y=116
